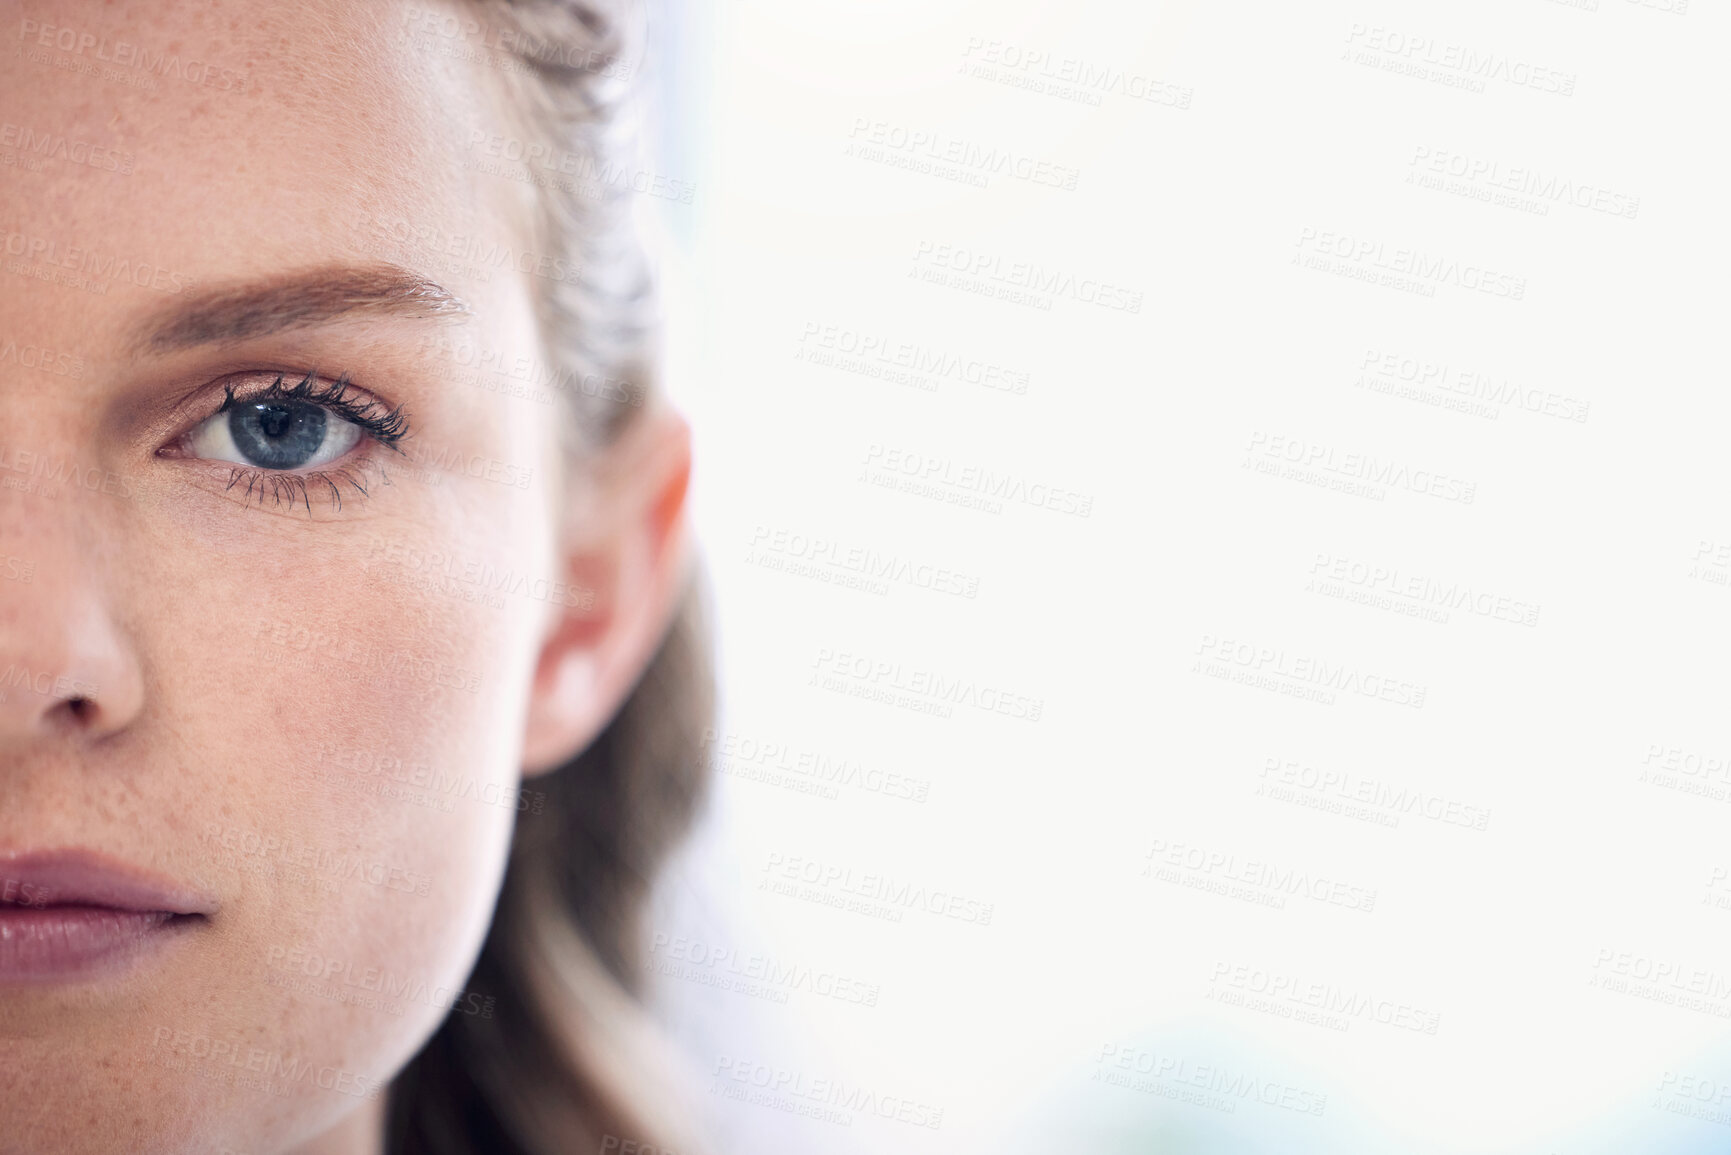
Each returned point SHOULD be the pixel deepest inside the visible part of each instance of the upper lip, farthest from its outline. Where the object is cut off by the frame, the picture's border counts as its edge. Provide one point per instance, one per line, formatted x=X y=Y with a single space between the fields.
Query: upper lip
x=77 y=877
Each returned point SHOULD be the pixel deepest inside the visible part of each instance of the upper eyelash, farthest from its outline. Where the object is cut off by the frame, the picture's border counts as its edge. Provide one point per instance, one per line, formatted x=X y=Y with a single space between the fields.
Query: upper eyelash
x=386 y=426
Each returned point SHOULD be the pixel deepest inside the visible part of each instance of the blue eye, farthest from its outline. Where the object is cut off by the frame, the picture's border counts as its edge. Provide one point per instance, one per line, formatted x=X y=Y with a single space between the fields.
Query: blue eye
x=278 y=434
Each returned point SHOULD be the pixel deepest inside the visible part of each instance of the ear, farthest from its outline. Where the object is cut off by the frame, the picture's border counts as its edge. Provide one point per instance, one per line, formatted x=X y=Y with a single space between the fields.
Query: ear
x=623 y=555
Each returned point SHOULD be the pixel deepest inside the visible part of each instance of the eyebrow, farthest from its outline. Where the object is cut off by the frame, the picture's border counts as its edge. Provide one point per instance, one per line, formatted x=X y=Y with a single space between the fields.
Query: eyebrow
x=307 y=297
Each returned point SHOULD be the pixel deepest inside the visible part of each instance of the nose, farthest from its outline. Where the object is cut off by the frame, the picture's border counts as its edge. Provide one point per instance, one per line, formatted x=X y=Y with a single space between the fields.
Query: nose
x=66 y=669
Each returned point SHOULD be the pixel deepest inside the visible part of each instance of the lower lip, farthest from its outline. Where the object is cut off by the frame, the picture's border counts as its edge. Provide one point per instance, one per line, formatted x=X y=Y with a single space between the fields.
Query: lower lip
x=62 y=942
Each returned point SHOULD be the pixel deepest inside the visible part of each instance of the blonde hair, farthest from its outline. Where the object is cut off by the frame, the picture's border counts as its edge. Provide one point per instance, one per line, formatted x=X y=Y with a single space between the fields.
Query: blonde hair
x=567 y=1060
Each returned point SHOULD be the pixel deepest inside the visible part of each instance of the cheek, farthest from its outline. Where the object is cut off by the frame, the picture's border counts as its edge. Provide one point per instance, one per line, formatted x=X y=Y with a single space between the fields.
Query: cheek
x=345 y=751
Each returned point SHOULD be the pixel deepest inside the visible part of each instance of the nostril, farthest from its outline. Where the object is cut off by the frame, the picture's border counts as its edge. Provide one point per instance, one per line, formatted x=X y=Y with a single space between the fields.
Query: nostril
x=81 y=708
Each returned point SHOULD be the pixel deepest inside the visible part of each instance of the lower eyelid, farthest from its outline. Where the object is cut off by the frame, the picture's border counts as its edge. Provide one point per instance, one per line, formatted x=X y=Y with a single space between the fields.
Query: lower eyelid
x=335 y=485
x=323 y=486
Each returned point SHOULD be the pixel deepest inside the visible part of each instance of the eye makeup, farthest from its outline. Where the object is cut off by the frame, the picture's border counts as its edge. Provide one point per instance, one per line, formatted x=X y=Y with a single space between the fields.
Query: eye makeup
x=288 y=442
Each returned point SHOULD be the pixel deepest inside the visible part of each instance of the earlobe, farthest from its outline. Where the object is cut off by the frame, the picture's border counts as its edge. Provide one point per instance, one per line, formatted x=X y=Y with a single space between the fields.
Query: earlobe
x=561 y=710
x=628 y=565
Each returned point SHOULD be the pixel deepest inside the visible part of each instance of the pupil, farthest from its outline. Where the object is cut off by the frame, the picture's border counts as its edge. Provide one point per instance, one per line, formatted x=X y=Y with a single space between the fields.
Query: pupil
x=274 y=420
x=277 y=434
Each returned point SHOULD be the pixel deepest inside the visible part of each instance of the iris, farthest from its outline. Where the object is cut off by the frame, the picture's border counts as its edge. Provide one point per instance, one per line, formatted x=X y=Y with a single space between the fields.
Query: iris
x=278 y=434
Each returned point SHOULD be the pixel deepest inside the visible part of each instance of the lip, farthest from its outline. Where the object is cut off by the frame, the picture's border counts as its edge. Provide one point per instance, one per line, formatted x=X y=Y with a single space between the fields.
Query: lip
x=70 y=913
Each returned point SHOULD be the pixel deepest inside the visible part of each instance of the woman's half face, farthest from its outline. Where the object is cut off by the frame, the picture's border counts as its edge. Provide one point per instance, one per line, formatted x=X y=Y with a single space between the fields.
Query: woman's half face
x=276 y=557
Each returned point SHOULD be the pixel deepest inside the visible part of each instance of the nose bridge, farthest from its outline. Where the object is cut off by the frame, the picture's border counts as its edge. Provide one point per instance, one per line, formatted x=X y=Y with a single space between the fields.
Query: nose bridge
x=65 y=663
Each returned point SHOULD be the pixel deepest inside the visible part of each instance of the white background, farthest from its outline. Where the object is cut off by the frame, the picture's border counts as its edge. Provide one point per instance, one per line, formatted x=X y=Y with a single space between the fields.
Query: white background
x=1549 y=181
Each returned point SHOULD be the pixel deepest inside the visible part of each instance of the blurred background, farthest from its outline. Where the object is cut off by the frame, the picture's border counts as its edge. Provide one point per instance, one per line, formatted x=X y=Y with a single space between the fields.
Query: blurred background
x=1217 y=525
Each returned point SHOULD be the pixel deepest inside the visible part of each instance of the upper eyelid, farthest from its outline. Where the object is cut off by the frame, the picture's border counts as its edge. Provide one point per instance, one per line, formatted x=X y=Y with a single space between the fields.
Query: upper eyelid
x=387 y=426
x=286 y=383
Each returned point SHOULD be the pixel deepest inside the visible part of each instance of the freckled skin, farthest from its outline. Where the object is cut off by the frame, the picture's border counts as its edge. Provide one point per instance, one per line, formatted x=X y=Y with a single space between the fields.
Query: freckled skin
x=259 y=669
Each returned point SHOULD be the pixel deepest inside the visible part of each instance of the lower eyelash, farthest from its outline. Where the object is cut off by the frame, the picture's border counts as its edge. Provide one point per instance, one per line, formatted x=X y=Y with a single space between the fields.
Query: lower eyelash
x=295 y=486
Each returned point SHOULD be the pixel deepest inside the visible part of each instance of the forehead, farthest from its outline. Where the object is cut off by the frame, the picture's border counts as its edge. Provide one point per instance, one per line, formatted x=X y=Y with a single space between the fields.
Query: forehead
x=216 y=139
